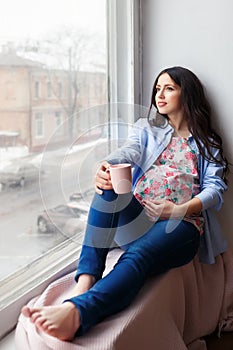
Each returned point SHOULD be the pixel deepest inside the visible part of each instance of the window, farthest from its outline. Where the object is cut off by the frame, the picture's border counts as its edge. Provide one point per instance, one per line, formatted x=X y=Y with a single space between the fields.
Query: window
x=49 y=89
x=58 y=49
x=39 y=125
x=36 y=89
x=58 y=122
x=58 y=118
x=59 y=89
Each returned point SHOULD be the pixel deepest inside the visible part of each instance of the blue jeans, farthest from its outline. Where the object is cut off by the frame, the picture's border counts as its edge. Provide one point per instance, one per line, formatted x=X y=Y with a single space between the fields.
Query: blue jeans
x=150 y=249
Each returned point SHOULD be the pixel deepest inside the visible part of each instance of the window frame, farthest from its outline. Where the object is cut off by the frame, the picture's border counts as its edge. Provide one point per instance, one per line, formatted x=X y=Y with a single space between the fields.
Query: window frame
x=123 y=65
x=124 y=60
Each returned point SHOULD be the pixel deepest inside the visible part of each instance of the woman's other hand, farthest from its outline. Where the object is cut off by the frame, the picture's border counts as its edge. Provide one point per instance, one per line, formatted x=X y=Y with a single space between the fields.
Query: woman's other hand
x=163 y=209
x=102 y=178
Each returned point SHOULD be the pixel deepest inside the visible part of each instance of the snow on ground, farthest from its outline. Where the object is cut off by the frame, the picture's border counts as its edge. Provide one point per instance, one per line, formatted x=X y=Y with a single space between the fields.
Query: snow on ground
x=8 y=154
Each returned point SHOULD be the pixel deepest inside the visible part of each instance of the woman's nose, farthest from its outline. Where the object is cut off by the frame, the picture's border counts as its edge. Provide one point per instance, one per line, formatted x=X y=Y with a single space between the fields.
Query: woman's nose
x=160 y=93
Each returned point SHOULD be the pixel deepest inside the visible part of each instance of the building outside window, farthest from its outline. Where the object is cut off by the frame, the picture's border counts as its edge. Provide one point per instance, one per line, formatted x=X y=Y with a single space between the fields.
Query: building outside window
x=10 y=90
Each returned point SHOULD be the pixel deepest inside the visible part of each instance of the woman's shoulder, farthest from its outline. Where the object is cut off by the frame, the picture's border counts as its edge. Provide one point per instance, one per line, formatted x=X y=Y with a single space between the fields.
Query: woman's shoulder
x=141 y=122
x=150 y=134
x=141 y=126
x=155 y=126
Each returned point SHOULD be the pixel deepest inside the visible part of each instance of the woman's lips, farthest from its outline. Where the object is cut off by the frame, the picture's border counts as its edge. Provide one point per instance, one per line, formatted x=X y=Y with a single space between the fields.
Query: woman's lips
x=161 y=104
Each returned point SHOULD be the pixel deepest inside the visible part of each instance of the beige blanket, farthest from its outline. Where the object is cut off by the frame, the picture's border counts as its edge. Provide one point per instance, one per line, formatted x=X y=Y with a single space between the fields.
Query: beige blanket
x=171 y=312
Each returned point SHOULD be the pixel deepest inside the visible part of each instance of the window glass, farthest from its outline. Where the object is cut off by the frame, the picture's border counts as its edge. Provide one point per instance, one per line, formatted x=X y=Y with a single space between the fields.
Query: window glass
x=39 y=125
x=59 y=89
x=36 y=91
x=49 y=89
x=52 y=117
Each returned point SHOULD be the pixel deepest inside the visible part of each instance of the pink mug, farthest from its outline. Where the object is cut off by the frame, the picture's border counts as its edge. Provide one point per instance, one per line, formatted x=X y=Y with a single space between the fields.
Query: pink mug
x=121 y=177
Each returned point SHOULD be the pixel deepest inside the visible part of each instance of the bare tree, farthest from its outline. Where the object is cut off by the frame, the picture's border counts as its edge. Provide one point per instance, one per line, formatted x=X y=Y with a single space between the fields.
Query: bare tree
x=69 y=51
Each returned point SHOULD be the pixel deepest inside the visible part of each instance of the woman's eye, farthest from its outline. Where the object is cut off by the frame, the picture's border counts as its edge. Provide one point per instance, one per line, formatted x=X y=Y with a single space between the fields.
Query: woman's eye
x=170 y=88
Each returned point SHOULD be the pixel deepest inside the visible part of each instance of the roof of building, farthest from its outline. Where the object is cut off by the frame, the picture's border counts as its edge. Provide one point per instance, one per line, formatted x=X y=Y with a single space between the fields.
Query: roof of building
x=10 y=58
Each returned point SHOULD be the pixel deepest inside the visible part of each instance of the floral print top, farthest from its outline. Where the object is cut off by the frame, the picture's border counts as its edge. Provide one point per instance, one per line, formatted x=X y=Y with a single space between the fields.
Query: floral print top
x=174 y=177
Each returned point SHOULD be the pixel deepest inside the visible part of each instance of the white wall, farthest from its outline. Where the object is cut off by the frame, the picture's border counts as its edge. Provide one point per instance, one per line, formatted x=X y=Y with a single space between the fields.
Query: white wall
x=198 y=35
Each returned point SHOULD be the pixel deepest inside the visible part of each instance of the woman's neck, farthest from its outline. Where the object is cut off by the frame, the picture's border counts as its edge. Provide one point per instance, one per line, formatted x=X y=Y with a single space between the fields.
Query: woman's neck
x=180 y=127
x=181 y=133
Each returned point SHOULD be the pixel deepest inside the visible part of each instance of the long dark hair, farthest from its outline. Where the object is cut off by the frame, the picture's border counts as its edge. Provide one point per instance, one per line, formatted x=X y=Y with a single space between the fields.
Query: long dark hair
x=197 y=112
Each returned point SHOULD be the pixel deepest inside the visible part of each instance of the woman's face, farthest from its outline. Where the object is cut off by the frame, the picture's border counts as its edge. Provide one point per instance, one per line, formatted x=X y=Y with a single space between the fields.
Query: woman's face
x=167 y=96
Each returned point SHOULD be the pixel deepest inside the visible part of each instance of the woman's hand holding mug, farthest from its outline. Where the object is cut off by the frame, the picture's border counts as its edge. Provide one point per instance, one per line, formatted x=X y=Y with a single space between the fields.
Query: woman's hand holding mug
x=114 y=176
x=102 y=178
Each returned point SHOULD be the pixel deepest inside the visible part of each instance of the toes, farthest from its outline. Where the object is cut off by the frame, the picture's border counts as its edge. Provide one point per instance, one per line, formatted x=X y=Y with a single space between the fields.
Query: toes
x=61 y=321
x=35 y=316
x=26 y=311
x=39 y=321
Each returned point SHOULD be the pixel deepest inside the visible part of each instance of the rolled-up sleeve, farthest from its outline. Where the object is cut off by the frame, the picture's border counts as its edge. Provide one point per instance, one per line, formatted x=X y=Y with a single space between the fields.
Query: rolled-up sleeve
x=212 y=184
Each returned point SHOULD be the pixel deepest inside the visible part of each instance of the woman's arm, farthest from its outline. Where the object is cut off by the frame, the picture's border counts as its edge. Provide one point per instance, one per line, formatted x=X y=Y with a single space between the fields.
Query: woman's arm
x=190 y=208
x=212 y=184
x=130 y=151
x=166 y=209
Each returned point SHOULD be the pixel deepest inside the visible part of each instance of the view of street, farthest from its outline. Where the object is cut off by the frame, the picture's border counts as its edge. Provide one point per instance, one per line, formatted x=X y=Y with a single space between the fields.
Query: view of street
x=20 y=241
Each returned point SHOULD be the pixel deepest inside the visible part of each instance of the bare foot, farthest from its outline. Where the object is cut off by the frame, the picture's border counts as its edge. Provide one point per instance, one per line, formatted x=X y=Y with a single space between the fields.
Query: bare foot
x=26 y=311
x=60 y=321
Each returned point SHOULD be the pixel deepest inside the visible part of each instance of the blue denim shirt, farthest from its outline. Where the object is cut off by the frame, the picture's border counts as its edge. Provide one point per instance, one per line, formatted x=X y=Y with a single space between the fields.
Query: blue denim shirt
x=145 y=144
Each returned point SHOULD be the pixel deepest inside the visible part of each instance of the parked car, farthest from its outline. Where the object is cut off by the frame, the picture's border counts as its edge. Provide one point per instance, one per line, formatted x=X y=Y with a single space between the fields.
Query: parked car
x=17 y=174
x=85 y=195
x=67 y=218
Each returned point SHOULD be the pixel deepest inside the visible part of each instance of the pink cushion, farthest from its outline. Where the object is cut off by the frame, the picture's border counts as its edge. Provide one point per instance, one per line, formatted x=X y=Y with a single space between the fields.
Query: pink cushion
x=172 y=311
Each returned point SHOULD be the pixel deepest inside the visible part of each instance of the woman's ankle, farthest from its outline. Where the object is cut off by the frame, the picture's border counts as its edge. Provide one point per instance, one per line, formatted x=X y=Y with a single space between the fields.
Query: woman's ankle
x=84 y=283
x=86 y=280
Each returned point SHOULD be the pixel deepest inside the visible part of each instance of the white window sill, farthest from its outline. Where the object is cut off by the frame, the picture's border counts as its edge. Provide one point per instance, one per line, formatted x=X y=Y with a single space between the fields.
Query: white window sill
x=53 y=265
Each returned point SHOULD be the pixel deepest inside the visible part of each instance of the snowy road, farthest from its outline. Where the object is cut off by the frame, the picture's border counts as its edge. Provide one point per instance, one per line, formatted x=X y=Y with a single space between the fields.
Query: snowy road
x=20 y=243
